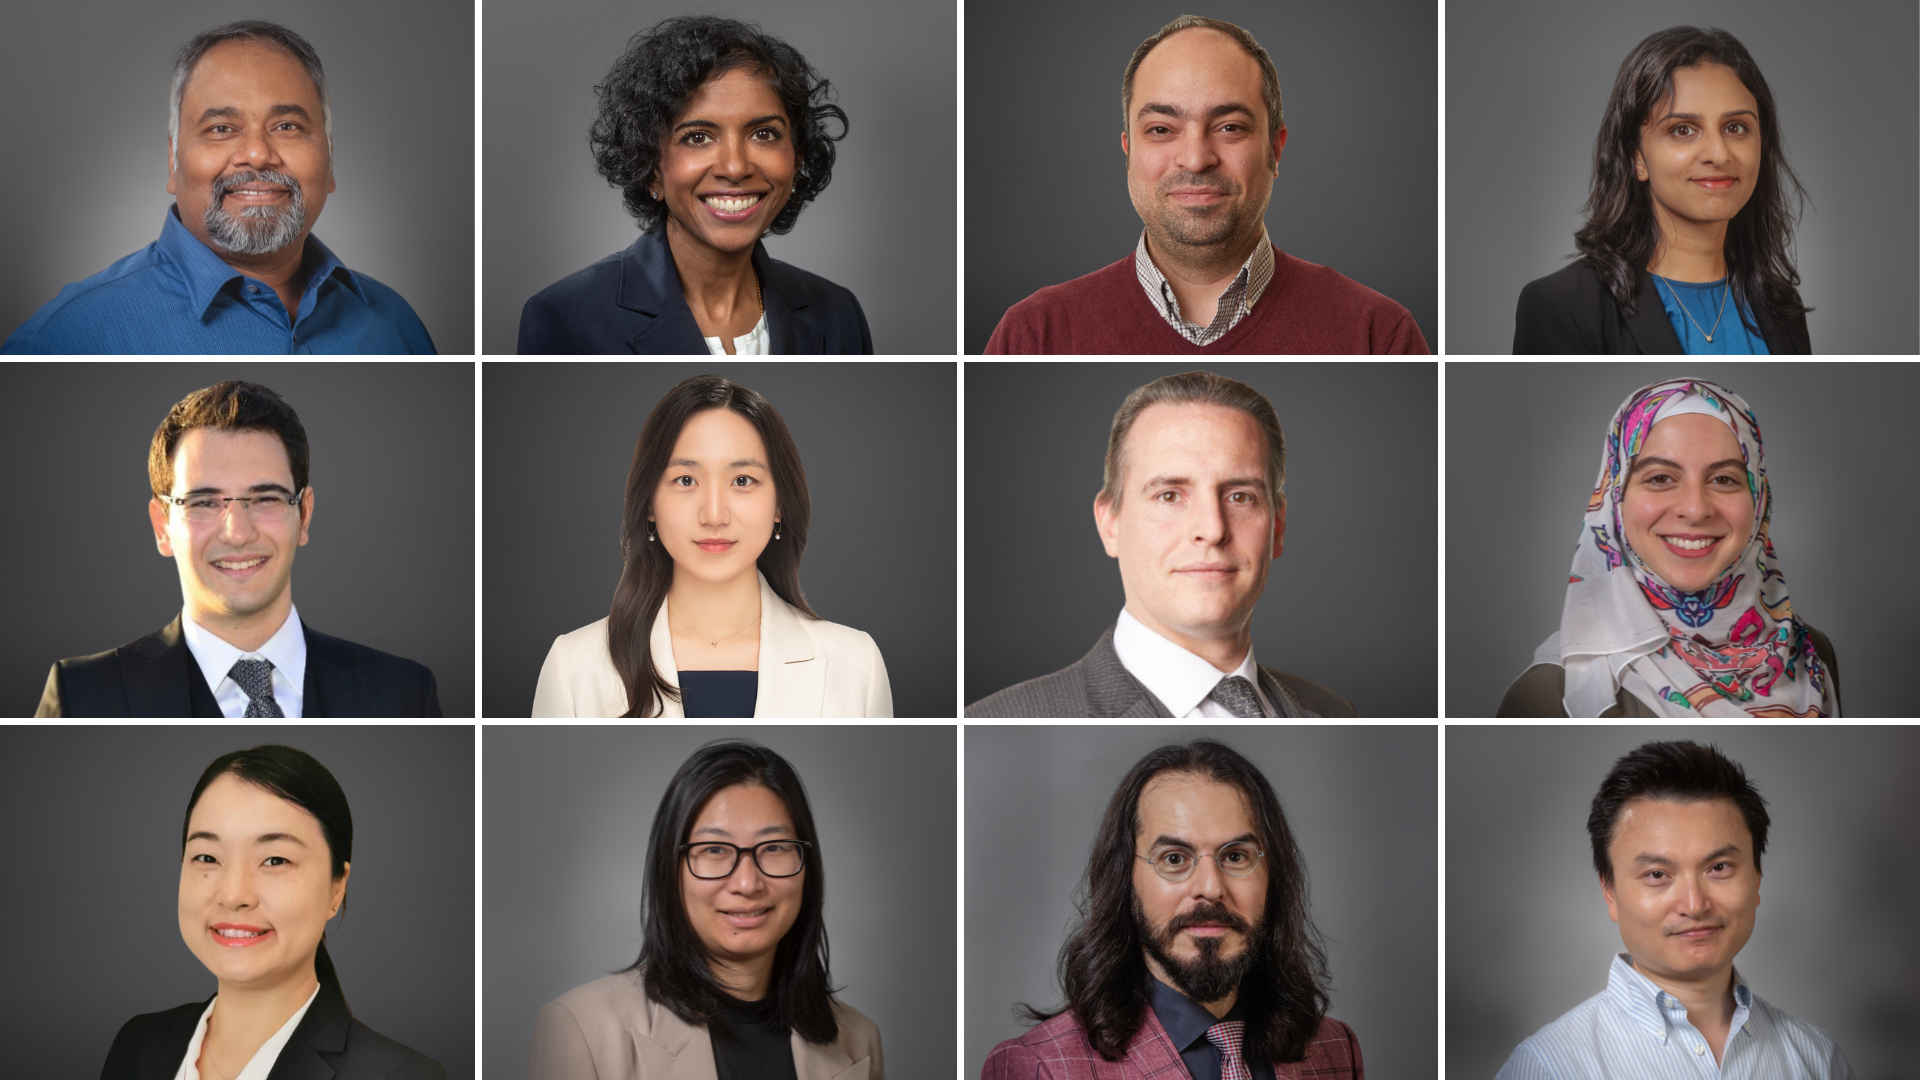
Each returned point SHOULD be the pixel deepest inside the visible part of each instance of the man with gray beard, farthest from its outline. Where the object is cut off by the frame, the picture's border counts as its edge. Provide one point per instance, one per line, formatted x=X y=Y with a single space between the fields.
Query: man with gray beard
x=236 y=268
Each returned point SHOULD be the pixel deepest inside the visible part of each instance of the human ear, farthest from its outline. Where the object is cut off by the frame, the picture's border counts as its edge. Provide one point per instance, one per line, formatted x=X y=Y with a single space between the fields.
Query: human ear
x=1124 y=152
x=1279 y=141
x=1280 y=529
x=157 y=516
x=1606 y=890
x=306 y=514
x=1107 y=521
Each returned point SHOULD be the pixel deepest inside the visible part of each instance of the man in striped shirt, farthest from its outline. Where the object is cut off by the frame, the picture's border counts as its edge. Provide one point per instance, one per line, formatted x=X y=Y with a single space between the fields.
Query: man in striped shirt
x=1678 y=832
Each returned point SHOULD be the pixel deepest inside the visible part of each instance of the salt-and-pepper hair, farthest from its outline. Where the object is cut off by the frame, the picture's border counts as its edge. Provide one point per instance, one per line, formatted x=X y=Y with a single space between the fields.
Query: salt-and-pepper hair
x=272 y=35
x=1197 y=388
x=1269 y=76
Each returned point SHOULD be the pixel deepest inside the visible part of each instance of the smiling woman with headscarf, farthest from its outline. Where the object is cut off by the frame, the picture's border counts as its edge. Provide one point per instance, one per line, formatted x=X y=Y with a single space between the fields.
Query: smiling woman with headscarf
x=1676 y=605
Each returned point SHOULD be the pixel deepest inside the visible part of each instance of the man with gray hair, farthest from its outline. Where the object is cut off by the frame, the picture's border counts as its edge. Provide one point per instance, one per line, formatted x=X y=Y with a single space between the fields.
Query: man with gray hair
x=236 y=268
x=1194 y=509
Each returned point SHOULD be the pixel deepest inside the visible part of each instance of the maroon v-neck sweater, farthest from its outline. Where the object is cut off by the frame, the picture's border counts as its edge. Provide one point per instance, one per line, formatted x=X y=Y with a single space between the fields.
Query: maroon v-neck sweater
x=1306 y=308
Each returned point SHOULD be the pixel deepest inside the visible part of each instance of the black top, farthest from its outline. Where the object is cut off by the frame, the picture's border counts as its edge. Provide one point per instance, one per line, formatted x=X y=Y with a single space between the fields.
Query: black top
x=726 y=694
x=1571 y=311
x=1187 y=1022
x=752 y=1044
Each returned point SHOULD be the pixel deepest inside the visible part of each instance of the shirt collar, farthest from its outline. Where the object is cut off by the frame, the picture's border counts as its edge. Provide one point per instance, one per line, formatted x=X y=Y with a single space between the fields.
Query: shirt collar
x=1256 y=272
x=286 y=650
x=206 y=274
x=1649 y=1006
x=261 y=1064
x=1185 y=1019
x=1177 y=677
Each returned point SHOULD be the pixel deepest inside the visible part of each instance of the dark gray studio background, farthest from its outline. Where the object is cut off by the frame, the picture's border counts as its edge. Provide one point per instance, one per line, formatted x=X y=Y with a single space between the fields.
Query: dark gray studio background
x=1047 y=185
x=85 y=84
x=1360 y=496
x=1527 y=85
x=104 y=945
x=567 y=817
x=1523 y=450
x=884 y=228
x=876 y=439
x=1834 y=944
x=1360 y=802
x=389 y=558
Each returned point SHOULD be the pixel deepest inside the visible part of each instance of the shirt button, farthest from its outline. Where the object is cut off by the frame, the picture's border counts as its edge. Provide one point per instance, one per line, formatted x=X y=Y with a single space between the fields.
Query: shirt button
x=1699 y=1049
x=253 y=288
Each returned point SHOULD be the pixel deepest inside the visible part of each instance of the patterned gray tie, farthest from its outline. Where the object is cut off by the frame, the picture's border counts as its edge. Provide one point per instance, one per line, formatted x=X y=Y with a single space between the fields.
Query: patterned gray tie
x=1236 y=693
x=256 y=678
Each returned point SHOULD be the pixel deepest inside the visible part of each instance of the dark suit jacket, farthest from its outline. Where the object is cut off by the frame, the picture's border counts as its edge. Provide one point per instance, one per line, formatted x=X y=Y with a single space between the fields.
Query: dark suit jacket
x=1098 y=684
x=328 y=1044
x=631 y=303
x=157 y=676
x=1059 y=1050
x=1570 y=311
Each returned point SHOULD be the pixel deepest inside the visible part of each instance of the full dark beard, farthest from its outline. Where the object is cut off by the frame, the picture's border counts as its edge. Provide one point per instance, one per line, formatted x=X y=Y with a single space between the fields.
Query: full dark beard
x=1208 y=976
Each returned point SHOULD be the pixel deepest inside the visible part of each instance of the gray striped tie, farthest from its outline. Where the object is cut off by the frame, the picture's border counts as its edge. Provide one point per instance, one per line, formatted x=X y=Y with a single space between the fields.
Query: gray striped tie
x=256 y=678
x=1236 y=693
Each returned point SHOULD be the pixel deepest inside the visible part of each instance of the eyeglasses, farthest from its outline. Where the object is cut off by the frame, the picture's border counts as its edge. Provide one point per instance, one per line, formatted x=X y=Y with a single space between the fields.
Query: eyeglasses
x=713 y=859
x=1177 y=864
x=273 y=506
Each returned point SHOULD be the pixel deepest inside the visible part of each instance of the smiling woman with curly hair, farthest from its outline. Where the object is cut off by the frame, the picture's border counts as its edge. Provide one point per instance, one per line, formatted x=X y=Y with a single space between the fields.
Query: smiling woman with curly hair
x=716 y=134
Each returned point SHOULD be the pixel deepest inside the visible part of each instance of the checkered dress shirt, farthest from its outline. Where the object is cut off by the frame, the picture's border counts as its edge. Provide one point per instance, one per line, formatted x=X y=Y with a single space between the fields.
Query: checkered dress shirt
x=1255 y=274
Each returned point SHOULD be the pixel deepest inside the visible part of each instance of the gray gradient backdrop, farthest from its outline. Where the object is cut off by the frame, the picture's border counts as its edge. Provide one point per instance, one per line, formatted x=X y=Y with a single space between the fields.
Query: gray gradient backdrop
x=1360 y=801
x=389 y=562
x=1360 y=440
x=1527 y=85
x=108 y=802
x=1829 y=428
x=568 y=812
x=1047 y=184
x=1835 y=942
x=877 y=441
x=884 y=227
x=402 y=82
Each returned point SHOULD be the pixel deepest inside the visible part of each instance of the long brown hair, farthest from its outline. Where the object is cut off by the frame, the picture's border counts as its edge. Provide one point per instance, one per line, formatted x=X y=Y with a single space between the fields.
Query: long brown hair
x=648 y=569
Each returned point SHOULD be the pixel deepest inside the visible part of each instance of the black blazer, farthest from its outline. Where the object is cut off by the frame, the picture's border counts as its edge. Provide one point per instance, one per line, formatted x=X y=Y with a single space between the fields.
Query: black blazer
x=329 y=1044
x=631 y=303
x=1570 y=311
x=157 y=676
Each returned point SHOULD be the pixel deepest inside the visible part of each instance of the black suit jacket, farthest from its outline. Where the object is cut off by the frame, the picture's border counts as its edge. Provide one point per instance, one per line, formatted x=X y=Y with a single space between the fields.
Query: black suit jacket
x=328 y=1044
x=157 y=676
x=631 y=303
x=1571 y=311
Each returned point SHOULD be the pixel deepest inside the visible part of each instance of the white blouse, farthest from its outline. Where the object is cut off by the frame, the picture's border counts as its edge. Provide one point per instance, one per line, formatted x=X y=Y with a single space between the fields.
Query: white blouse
x=263 y=1058
x=753 y=343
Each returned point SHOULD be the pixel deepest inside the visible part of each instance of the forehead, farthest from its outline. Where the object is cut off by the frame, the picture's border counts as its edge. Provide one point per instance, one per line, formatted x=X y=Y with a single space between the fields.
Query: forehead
x=1195 y=441
x=1706 y=89
x=1663 y=826
x=739 y=94
x=717 y=436
x=210 y=457
x=1691 y=435
x=234 y=809
x=1194 y=808
x=1199 y=67
x=743 y=809
x=237 y=72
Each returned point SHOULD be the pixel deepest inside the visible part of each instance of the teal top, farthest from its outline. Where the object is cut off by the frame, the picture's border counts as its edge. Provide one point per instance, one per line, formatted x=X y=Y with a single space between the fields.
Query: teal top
x=1703 y=302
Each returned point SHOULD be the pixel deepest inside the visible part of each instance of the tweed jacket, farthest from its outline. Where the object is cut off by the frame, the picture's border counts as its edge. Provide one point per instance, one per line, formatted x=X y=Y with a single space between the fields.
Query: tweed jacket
x=1058 y=1050
x=1098 y=684
x=610 y=1030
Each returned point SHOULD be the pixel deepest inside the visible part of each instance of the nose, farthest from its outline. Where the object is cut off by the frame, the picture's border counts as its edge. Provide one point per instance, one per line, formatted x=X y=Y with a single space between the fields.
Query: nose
x=236 y=888
x=1209 y=526
x=732 y=164
x=1197 y=154
x=713 y=509
x=746 y=878
x=1207 y=882
x=254 y=150
x=1694 y=502
x=237 y=526
x=1690 y=898
x=1713 y=146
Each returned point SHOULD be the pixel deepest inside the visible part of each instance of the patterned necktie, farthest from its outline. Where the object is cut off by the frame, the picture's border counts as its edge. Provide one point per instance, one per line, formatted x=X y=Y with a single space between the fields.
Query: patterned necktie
x=1226 y=1035
x=256 y=678
x=1236 y=693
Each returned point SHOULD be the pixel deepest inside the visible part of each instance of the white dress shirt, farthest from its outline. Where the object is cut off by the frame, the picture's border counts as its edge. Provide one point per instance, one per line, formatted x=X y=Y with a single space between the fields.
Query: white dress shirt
x=754 y=342
x=263 y=1058
x=286 y=650
x=1177 y=677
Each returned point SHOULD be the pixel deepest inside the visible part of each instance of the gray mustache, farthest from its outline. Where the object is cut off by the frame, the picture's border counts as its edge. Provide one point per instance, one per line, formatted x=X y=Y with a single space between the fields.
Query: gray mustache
x=266 y=176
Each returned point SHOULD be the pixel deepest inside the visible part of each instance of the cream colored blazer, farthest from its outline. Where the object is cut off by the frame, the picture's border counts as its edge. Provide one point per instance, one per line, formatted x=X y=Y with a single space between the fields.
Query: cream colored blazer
x=808 y=667
x=610 y=1030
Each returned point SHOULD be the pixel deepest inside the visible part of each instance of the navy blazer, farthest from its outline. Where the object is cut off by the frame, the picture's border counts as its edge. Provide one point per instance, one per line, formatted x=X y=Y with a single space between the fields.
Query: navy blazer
x=158 y=676
x=631 y=303
x=1571 y=311
x=327 y=1044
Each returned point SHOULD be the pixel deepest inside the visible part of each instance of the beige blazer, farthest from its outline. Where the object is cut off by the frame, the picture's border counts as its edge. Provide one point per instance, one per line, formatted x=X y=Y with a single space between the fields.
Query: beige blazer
x=610 y=1030
x=808 y=667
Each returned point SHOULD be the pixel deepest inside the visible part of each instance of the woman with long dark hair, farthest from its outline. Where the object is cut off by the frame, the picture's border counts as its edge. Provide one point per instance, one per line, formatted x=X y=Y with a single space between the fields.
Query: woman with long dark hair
x=708 y=619
x=1688 y=245
x=732 y=982
x=716 y=134
x=266 y=849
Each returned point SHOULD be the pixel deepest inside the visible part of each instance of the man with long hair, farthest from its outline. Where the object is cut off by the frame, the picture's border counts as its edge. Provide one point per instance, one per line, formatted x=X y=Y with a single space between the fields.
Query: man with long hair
x=1194 y=954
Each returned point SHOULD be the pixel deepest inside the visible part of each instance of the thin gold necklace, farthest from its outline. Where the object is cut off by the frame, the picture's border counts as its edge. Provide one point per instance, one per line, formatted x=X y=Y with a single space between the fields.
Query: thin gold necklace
x=715 y=642
x=1689 y=314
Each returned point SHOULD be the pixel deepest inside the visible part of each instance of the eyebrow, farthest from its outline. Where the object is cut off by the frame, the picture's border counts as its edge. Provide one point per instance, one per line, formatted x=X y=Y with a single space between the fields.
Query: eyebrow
x=770 y=118
x=1183 y=481
x=1163 y=840
x=743 y=463
x=231 y=112
x=256 y=489
x=1647 y=859
x=1161 y=108
x=1725 y=463
x=718 y=831
x=263 y=838
x=1696 y=116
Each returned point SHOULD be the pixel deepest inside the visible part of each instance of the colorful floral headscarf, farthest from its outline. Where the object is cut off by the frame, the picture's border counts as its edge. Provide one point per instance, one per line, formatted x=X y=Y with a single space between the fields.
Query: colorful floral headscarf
x=1734 y=648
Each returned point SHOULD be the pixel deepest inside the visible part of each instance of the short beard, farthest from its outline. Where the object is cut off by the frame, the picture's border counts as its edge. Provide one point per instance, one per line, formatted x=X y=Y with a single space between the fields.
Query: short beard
x=255 y=230
x=1208 y=976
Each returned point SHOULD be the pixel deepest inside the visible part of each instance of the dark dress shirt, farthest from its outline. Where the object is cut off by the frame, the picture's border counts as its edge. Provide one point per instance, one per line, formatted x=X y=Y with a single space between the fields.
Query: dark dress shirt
x=730 y=694
x=1572 y=311
x=1187 y=1021
x=631 y=302
x=752 y=1044
x=176 y=296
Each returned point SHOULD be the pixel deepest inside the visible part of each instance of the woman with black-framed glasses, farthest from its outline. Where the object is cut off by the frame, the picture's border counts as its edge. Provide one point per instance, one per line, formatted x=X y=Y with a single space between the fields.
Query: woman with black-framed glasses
x=732 y=980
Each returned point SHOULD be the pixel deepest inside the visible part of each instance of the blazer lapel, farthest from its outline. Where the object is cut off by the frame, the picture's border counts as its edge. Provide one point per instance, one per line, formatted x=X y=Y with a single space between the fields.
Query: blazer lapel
x=158 y=671
x=1152 y=1054
x=788 y=334
x=672 y=1049
x=793 y=681
x=660 y=642
x=651 y=286
x=831 y=1062
x=321 y=1035
x=1649 y=328
x=160 y=1058
x=1111 y=688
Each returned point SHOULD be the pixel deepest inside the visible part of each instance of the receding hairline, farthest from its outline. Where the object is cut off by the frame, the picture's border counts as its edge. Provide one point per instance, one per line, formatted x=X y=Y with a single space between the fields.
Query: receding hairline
x=253 y=42
x=1259 y=430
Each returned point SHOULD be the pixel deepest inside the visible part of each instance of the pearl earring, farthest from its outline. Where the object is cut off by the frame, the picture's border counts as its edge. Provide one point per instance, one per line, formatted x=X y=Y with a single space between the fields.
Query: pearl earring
x=776 y=530
x=649 y=534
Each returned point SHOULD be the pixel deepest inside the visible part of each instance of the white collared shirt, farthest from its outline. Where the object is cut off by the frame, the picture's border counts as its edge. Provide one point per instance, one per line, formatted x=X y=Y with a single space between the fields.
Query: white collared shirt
x=263 y=1058
x=1180 y=679
x=286 y=650
x=754 y=342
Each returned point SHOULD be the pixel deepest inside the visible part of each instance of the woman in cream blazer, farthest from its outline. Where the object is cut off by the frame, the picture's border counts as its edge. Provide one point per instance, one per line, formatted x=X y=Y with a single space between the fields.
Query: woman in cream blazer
x=708 y=619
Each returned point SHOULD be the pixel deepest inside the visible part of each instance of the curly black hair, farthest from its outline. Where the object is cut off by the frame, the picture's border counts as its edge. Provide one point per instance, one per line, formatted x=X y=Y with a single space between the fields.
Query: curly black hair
x=660 y=71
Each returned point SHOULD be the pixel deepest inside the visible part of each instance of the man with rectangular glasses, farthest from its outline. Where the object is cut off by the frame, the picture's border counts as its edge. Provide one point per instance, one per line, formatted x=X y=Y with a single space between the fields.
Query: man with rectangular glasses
x=230 y=506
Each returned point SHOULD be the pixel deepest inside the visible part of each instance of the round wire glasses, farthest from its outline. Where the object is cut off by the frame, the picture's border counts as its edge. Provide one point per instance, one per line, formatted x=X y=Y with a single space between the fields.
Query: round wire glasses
x=710 y=860
x=1237 y=859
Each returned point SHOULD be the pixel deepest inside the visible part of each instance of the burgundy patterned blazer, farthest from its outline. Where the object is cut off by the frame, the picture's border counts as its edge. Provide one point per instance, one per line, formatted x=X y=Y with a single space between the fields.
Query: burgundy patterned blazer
x=1058 y=1050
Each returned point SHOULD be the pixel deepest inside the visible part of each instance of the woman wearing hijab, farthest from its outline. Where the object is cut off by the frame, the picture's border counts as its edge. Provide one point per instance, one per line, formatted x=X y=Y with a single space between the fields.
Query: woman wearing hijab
x=1689 y=235
x=1676 y=604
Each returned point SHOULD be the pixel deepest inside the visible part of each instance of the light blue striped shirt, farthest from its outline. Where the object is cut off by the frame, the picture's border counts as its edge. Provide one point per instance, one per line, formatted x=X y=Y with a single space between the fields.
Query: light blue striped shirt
x=1636 y=1031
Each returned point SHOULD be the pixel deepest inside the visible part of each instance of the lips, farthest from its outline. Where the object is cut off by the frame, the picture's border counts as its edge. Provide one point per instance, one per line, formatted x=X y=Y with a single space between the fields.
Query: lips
x=1207 y=572
x=732 y=206
x=715 y=545
x=1715 y=183
x=1698 y=933
x=1691 y=545
x=746 y=919
x=238 y=935
x=240 y=566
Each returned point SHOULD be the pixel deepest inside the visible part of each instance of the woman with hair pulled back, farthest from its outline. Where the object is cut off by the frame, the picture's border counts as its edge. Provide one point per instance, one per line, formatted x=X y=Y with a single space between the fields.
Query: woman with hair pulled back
x=708 y=619
x=266 y=849
x=1688 y=245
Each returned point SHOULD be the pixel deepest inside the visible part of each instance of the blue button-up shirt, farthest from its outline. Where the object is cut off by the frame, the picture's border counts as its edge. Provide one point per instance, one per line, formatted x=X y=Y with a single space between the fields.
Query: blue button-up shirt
x=1636 y=1031
x=176 y=296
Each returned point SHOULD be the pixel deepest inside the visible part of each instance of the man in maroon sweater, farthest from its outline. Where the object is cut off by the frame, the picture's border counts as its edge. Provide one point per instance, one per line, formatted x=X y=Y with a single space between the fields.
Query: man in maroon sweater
x=1204 y=130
